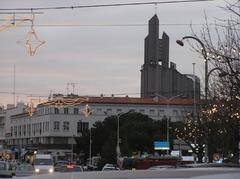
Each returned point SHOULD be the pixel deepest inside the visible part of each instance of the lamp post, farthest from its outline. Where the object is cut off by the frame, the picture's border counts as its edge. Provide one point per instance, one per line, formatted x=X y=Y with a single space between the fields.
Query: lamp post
x=72 y=148
x=118 y=151
x=168 y=112
x=90 y=146
x=204 y=53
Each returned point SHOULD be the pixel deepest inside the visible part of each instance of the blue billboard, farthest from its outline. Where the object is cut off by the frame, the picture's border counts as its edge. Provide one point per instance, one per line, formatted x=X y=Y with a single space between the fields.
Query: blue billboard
x=161 y=145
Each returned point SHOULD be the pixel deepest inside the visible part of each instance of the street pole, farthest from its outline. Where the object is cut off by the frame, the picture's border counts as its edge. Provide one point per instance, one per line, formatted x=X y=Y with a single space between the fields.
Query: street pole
x=72 y=149
x=204 y=53
x=168 y=113
x=168 y=118
x=118 y=151
x=194 y=111
x=168 y=109
x=90 y=146
x=168 y=133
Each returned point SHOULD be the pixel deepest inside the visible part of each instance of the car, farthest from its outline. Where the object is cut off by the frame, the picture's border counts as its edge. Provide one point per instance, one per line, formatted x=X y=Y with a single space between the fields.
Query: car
x=161 y=167
x=6 y=170
x=43 y=163
x=109 y=167
x=58 y=164
x=70 y=168
x=24 y=170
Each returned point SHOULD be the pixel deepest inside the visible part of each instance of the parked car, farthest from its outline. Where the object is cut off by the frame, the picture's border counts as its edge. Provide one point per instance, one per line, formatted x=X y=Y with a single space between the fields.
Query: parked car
x=5 y=170
x=161 y=167
x=23 y=170
x=108 y=167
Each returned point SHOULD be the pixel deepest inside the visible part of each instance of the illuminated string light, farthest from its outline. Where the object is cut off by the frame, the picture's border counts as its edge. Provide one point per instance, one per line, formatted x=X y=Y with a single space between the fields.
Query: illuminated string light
x=30 y=109
x=32 y=39
x=60 y=102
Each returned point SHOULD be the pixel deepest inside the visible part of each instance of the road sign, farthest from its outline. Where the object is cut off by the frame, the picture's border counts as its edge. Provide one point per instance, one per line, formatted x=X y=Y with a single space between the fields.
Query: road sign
x=161 y=145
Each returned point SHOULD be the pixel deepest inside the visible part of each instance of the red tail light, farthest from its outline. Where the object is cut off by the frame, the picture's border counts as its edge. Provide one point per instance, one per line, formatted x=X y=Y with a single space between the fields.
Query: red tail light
x=70 y=166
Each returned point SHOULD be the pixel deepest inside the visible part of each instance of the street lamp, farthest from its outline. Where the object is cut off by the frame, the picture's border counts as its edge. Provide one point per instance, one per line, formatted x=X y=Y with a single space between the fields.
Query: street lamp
x=168 y=112
x=118 y=150
x=90 y=146
x=72 y=148
x=204 y=53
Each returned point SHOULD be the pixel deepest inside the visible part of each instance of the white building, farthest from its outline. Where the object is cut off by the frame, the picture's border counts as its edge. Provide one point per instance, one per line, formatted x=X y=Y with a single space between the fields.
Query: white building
x=51 y=127
x=5 y=119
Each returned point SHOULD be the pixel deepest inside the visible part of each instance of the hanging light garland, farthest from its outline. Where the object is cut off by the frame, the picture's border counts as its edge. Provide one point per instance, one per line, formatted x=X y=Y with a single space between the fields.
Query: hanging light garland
x=12 y=22
x=61 y=101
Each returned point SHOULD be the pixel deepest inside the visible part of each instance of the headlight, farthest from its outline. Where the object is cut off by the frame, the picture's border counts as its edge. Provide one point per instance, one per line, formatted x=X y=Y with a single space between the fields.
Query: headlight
x=50 y=170
x=37 y=170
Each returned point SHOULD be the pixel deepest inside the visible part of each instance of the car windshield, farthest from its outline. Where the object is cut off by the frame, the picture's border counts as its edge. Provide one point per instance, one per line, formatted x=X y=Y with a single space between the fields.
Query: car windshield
x=24 y=168
x=43 y=162
x=3 y=166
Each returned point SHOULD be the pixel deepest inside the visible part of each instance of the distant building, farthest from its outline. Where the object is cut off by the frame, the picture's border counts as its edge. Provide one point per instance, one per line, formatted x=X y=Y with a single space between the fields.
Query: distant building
x=156 y=75
x=5 y=122
x=54 y=128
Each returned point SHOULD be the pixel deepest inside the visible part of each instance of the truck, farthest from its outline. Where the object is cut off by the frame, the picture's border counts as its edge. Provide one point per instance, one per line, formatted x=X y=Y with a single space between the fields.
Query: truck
x=43 y=163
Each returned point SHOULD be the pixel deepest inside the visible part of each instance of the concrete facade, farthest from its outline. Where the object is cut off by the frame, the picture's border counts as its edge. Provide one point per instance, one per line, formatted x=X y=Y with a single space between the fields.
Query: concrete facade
x=51 y=127
x=157 y=77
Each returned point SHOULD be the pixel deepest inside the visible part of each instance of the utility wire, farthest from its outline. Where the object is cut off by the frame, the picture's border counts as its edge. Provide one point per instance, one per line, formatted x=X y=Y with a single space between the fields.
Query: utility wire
x=101 y=5
x=41 y=95
x=104 y=25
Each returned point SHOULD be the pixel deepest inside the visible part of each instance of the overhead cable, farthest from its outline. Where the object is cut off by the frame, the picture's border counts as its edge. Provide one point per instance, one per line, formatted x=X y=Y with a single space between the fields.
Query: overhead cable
x=101 y=5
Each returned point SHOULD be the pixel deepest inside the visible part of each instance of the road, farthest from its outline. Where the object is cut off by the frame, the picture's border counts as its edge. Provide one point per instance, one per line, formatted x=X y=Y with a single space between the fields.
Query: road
x=200 y=173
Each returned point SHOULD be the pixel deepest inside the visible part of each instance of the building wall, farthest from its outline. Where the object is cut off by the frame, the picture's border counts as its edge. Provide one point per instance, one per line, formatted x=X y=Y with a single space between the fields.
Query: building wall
x=40 y=129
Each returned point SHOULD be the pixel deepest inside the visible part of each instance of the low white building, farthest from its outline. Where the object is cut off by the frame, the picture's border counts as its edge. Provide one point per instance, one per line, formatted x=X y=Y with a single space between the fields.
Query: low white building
x=5 y=119
x=54 y=125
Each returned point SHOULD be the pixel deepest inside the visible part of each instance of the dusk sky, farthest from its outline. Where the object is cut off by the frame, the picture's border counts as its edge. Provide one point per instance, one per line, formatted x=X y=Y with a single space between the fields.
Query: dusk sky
x=100 y=49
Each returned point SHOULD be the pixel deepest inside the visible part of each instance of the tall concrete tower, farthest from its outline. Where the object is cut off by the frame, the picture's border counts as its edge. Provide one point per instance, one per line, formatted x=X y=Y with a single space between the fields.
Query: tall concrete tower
x=156 y=57
x=157 y=77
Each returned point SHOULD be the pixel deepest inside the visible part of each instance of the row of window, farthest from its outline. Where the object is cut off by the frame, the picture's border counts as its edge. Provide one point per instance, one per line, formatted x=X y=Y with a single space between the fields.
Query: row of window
x=29 y=129
x=81 y=126
x=26 y=130
x=42 y=111
x=29 y=141
x=110 y=111
x=56 y=126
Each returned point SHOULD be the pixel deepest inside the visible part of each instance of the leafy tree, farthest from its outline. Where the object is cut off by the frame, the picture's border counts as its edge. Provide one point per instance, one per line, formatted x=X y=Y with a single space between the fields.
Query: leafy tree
x=193 y=134
x=221 y=43
x=220 y=113
x=137 y=134
x=221 y=119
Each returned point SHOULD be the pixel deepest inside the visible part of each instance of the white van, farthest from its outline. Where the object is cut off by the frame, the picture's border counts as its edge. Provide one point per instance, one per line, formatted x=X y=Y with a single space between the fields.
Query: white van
x=43 y=163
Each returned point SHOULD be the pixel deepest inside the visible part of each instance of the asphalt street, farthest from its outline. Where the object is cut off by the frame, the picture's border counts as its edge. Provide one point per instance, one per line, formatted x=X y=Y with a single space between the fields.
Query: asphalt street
x=219 y=173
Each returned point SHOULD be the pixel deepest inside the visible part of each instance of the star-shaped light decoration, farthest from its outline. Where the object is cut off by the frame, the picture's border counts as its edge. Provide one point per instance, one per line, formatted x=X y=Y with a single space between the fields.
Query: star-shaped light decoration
x=87 y=111
x=30 y=109
x=33 y=42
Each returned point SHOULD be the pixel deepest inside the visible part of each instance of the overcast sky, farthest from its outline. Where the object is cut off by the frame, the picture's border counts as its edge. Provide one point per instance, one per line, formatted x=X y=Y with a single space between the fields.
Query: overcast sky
x=101 y=59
